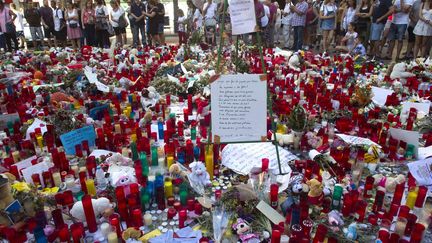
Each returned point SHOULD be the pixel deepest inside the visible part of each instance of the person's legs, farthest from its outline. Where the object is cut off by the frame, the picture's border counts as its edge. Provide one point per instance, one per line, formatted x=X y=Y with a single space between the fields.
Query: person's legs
x=411 y=42
x=392 y=36
x=47 y=32
x=325 y=40
x=271 y=36
x=8 y=41
x=401 y=29
x=417 y=45
x=296 y=38
x=424 y=46
x=34 y=36
x=300 y=37
x=143 y=35
x=286 y=35
x=135 y=34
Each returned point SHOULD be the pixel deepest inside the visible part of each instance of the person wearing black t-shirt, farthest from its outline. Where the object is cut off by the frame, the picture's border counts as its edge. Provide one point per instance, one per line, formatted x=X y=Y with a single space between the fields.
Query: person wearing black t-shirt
x=153 y=21
x=381 y=11
x=137 y=22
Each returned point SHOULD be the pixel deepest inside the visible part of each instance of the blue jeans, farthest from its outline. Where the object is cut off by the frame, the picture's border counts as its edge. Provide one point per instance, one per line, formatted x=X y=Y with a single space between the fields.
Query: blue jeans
x=298 y=37
x=136 y=29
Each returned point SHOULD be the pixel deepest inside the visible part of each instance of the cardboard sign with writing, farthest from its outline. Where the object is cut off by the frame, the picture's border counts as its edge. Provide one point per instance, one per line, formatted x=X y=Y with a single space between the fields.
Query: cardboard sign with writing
x=239 y=108
x=243 y=18
x=72 y=138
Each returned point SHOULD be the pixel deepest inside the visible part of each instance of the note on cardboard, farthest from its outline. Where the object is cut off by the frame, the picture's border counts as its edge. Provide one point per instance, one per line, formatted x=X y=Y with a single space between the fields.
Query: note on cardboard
x=37 y=123
x=97 y=113
x=410 y=137
x=243 y=157
x=239 y=108
x=354 y=140
x=35 y=169
x=422 y=171
x=70 y=139
x=380 y=95
x=270 y=213
x=6 y=118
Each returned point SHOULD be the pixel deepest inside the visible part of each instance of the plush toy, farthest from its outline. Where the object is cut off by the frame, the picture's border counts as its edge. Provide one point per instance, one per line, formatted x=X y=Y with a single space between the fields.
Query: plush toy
x=131 y=233
x=315 y=194
x=101 y=207
x=388 y=184
x=149 y=97
x=121 y=175
x=295 y=188
x=373 y=156
x=399 y=72
x=335 y=218
x=243 y=231
x=351 y=231
x=284 y=139
x=199 y=175
x=118 y=159
x=313 y=140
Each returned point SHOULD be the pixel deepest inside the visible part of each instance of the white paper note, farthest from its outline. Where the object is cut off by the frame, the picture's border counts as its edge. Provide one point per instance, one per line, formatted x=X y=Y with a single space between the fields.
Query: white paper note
x=380 y=95
x=242 y=157
x=424 y=153
x=243 y=18
x=410 y=137
x=354 y=140
x=422 y=171
x=239 y=108
x=35 y=169
x=406 y=106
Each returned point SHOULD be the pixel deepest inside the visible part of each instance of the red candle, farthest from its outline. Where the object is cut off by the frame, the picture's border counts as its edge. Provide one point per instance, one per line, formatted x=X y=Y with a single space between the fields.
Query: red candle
x=58 y=218
x=64 y=234
x=77 y=230
x=218 y=194
x=191 y=204
x=137 y=218
x=190 y=105
x=177 y=205
x=421 y=196
x=198 y=208
x=115 y=223
x=182 y=218
x=412 y=218
x=398 y=194
x=264 y=164
x=417 y=233
x=89 y=213
x=320 y=234
x=185 y=115
x=276 y=236
x=171 y=213
x=384 y=235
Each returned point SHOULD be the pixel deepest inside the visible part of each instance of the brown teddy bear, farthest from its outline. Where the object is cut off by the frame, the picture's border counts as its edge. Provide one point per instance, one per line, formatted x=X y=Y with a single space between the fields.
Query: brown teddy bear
x=315 y=194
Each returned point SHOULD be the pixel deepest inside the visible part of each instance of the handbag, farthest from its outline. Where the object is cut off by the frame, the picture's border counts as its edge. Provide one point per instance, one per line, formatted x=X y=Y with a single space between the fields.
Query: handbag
x=210 y=22
x=122 y=23
x=73 y=25
x=110 y=30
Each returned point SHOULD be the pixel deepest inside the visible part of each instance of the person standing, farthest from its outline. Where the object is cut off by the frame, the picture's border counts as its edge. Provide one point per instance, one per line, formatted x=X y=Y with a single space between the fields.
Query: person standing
x=311 y=23
x=73 y=28
x=380 y=14
x=348 y=16
x=278 y=23
x=33 y=18
x=19 y=25
x=47 y=22
x=269 y=31
x=101 y=24
x=328 y=22
x=88 y=20
x=7 y=18
x=137 y=23
x=210 y=22
x=286 y=23
x=298 y=23
x=413 y=19
x=60 y=31
x=399 y=26
x=423 y=29
x=118 y=22
x=182 y=35
x=160 y=13
x=153 y=23
x=363 y=13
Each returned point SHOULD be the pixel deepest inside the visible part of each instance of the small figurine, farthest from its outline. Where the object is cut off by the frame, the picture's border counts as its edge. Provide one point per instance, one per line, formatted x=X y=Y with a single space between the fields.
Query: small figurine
x=315 y=194
x=351 y=231
x=243 y=231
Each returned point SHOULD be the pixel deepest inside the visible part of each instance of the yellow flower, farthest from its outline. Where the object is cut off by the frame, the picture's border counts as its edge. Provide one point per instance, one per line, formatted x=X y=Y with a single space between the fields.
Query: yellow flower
x=49 y=191
x=21 y=186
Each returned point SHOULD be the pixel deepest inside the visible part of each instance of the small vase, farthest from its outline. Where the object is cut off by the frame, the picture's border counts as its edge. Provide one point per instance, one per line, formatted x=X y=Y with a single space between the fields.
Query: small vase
x=296 y=139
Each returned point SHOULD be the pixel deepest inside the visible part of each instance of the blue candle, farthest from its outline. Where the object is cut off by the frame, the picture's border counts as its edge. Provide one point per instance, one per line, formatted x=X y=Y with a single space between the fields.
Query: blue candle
x=161 y=130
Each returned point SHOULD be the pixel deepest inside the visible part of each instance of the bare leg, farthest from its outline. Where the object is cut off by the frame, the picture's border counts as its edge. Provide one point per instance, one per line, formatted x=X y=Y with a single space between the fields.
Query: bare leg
x=399 y=49
x=78 y=43
x=417 y=45
x=424 y=45
x=390 y=49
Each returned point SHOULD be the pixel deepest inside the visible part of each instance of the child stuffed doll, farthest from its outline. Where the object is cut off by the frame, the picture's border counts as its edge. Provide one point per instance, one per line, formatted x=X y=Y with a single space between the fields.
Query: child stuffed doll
x=244 y=233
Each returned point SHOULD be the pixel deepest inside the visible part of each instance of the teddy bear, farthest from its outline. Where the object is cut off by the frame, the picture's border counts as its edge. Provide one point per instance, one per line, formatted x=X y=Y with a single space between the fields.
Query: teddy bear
x=294 y=189
x=243 y=231
x=121 y=175
x=315 y=194
x=351 y=231
x=101 y=207
x=131 y=233
x=399 y=72
x=199 y=175
x=388 y=184
x=283 y=139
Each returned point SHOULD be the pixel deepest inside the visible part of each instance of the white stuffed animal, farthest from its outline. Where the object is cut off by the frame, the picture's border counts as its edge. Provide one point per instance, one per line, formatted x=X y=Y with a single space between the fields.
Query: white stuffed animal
x=284 y=139
x=99 y=206
x=294 y=62
x=399 y=72
x=121 y=175
x=199 y=175
x=118 y=159
x=389 y=183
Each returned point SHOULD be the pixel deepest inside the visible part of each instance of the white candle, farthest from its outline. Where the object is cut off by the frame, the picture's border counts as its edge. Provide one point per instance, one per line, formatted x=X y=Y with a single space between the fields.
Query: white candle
x=147 y=219
x=57 y=178
x=105 y=229
x=112 y=237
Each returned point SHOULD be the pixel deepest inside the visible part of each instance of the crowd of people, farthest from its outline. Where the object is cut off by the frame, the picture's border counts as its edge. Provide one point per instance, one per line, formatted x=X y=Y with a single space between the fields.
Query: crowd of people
x=361 y=27
x=92 y=24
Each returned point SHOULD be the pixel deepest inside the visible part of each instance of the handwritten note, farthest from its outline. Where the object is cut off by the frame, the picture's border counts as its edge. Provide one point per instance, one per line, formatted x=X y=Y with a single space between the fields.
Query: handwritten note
x=92 y=78
x=35 y=169
x=422 y=171
x=70 y=139
x=239 y=108
x=6 y=118
x=421 y=107
x=243 y=157
x=410 y=137
x=37 y=123
x=243 y=18
x=354 y=140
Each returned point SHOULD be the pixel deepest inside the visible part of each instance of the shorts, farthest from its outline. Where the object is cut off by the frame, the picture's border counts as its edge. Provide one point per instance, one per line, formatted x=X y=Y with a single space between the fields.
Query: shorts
x=61 y=34
x=411 y=36
x=160 y=29
x=119 y=31
x=49 y=32
x=36 y=33
x=376 y=31
x=397 y=31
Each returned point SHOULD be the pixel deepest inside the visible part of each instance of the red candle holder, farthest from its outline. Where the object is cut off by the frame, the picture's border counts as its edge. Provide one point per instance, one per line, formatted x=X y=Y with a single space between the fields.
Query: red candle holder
x=89 y=213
